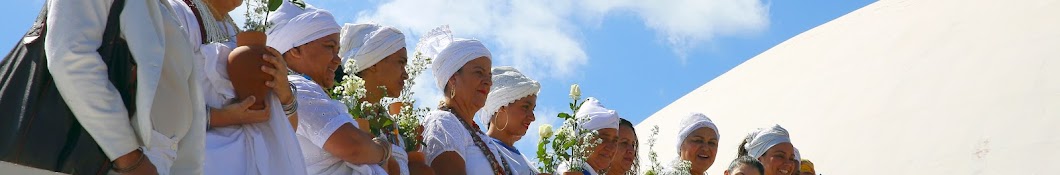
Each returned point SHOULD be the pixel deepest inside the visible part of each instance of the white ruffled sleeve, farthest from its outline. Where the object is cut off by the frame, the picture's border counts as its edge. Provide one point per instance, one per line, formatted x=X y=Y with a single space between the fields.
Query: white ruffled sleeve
x=442 y=132
x=318 y=115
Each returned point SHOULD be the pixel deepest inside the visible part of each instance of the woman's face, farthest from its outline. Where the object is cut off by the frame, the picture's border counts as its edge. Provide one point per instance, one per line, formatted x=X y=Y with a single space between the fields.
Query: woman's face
x=626 y=151
x=700 y=148
x=779 y=160
x=472 y=83
x=317 y=59
x=389 y=72
x=603 y=152
x=515 y=118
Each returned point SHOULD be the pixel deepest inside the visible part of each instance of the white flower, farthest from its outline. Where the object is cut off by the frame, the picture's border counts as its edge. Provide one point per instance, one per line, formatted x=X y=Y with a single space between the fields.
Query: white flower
x=350 y=65
x=575 y=92
x=545 y=130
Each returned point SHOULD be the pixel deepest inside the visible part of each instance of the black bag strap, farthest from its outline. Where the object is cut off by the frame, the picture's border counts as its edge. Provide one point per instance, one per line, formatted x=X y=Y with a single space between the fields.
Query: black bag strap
x=113 y=31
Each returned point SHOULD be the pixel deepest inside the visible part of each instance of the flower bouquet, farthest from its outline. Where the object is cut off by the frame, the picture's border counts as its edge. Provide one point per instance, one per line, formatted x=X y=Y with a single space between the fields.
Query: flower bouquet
x=371 y=117
x=570 y=144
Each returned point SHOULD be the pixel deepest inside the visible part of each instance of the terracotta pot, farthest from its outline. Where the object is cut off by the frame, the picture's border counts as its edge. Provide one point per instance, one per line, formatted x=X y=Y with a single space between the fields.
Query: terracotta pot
x=244 y=68
x=395 y=108
x=416 y=156
x=418 y=164
x=392 y=166
x=364 y=125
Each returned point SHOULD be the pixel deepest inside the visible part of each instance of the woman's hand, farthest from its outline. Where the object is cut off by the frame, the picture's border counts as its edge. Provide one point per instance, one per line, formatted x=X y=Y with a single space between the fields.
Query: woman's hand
x=129 y=160
x=238 y=113
x=278 y=71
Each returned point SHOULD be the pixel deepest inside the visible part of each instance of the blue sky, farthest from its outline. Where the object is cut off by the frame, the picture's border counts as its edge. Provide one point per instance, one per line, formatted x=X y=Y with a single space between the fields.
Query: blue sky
x=636 y=56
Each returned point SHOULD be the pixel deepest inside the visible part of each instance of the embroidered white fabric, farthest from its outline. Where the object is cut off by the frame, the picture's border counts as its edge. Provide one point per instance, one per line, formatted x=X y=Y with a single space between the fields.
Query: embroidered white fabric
x=318 y=117
x=443 y=132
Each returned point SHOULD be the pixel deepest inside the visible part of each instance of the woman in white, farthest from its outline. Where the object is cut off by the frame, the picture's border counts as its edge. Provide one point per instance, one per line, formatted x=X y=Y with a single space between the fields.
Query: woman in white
x=165 y=135
x=772 y=146
x=239 y=140
x=605 y=122
x=308 y=38
x=625 y=161
x=697 y=143
x=453 y=144
x=379 y=54
x=508 y=113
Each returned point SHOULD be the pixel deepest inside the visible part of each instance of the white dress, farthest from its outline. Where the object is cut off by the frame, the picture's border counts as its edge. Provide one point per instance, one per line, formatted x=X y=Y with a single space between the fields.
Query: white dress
x=443 y=132
x=318 y=117
x=518 y=162
x=260 y=148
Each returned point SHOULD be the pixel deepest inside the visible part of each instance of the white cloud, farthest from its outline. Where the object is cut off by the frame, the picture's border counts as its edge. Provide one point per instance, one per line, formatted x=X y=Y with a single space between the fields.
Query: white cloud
x=542 y=38
x=685 y=24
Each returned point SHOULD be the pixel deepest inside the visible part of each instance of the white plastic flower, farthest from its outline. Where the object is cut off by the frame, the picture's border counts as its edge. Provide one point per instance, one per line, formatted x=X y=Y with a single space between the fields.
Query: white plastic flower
x=545 y=130
x=575 y=92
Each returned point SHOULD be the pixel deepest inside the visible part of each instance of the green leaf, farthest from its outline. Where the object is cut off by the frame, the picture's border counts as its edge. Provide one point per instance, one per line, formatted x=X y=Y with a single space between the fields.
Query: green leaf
x=275 y=4
x=564 y=115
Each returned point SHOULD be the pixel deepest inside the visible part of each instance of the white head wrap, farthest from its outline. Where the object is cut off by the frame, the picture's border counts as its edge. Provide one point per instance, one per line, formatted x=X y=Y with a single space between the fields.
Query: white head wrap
x=293 y=26
x=368 y=44
x=599 y=116
x=798 y=158
x=693 y=122
x=449 y=54
x=766 y=138
x=509 y=85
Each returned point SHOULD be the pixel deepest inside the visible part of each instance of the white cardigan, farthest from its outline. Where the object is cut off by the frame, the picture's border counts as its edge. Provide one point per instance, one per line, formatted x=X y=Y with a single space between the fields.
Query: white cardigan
x=75 y=30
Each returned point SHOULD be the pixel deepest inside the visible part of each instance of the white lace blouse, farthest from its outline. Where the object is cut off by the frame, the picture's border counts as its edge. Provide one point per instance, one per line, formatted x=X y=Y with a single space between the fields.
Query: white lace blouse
x=443 y=132
x=318 y=117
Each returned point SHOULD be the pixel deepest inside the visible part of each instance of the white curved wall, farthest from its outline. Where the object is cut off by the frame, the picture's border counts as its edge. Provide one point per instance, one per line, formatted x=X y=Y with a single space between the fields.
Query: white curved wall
x=898 y=87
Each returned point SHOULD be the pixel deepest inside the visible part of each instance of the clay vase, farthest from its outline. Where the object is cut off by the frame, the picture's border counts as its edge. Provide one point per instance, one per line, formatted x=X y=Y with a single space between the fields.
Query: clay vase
x=418 y=164
x=244 y=68
x=364 y=125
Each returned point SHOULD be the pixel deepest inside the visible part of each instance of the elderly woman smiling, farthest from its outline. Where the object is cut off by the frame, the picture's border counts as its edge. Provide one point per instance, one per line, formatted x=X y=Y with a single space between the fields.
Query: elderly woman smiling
x=697 y=142
x=308 y=38
x=453 y=144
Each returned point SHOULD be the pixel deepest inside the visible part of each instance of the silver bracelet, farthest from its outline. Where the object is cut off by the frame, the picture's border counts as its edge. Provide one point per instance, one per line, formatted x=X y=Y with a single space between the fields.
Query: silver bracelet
x=290 y=109
x=386 y=147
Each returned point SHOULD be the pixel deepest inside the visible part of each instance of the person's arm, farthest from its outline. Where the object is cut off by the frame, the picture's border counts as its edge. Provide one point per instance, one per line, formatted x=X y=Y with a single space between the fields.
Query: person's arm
x=75 y=31
x=449 y=162
x=354 y=146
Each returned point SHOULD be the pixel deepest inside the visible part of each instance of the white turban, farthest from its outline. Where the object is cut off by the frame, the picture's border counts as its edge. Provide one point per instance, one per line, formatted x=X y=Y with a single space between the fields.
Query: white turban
x=509 y=85
x=695 y=121
x=368 y=44
x=763 y=139
x=798 y=158
x=449 y=54
x=599 y=116
x=293 y=26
